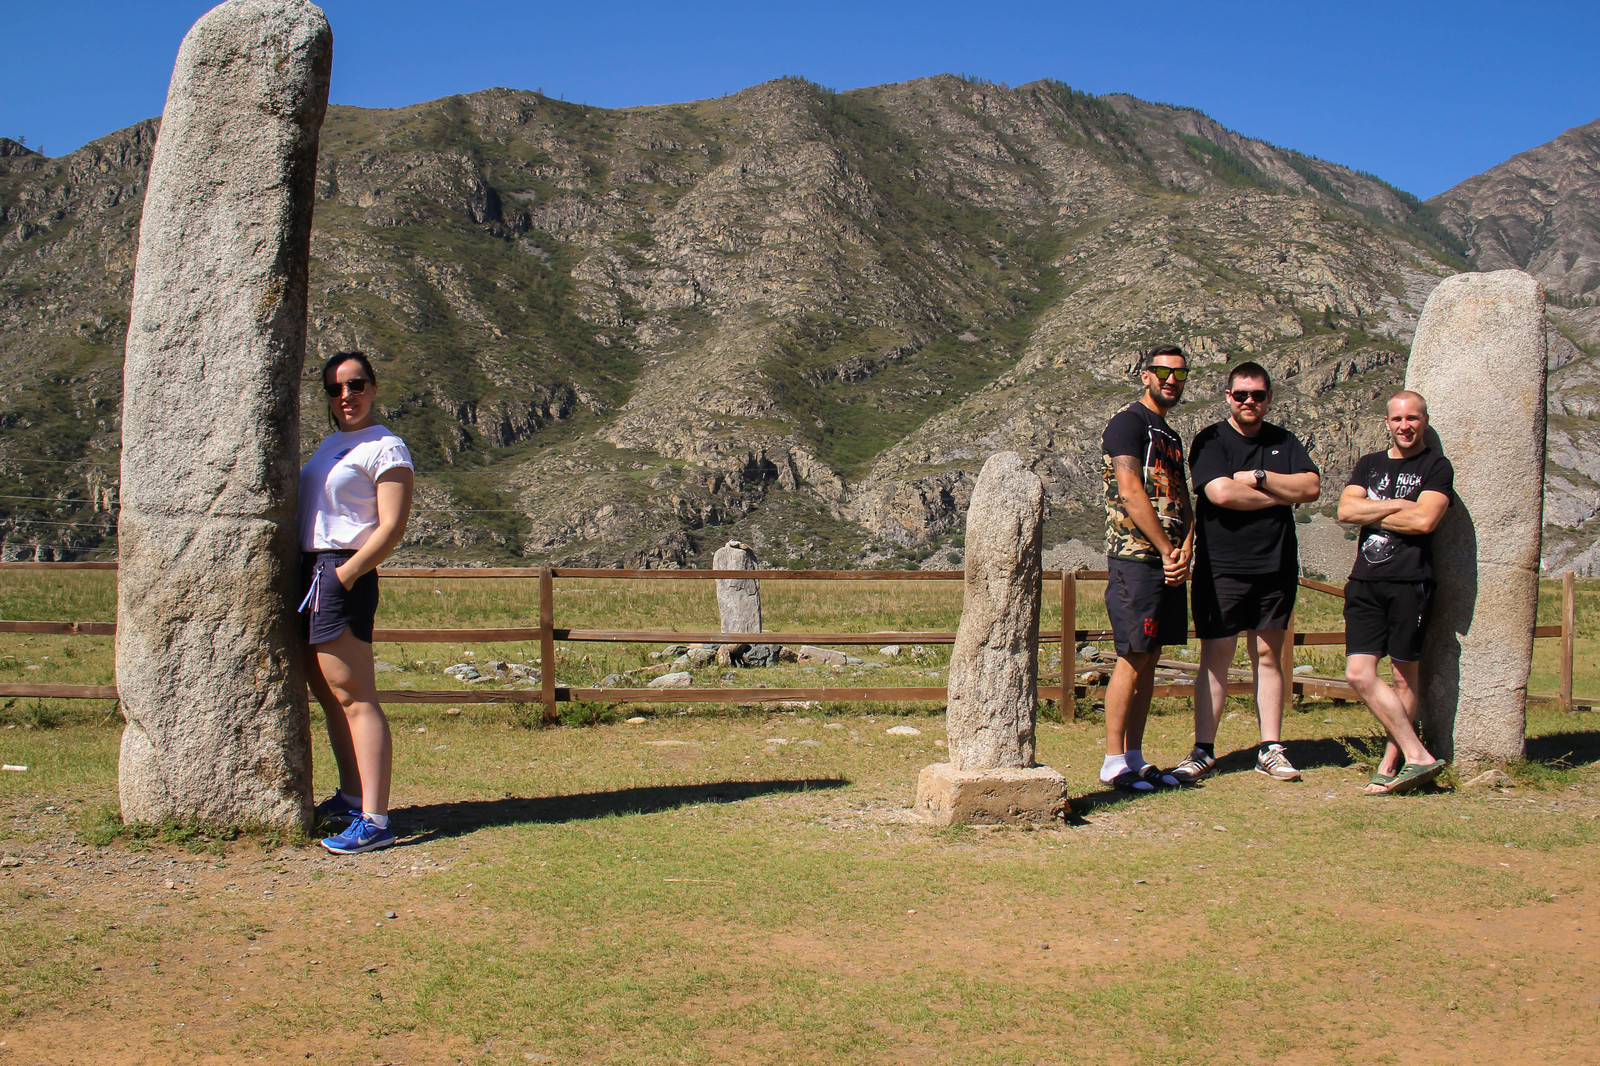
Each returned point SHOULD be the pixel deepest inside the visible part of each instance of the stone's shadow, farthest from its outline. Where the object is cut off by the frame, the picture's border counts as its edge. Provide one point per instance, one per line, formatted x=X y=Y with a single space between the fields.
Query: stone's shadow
x=1573 y=748
x=428 y=822
x=1455 y=599
x=1305 y=754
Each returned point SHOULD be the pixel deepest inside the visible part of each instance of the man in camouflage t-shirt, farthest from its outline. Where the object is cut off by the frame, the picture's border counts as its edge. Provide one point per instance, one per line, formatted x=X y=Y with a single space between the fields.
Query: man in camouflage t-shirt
x=1149 y=540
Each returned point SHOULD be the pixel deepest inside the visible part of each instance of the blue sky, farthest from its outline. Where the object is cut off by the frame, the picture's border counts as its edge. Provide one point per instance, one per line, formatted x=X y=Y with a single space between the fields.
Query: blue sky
x=1421 y=94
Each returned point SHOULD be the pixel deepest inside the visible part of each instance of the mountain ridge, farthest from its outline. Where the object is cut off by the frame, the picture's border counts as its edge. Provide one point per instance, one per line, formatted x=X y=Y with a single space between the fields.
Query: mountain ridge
x=791 y=315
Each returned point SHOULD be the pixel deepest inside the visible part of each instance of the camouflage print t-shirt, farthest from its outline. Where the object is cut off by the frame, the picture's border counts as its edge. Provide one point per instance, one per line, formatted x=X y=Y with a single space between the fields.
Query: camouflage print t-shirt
x=1140 y=432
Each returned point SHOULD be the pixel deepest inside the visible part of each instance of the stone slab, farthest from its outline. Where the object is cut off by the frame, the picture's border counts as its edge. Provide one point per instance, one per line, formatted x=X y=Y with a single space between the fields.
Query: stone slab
x=1479 y=359
x=994 y=673
x=1035 y=795
x=208 y=650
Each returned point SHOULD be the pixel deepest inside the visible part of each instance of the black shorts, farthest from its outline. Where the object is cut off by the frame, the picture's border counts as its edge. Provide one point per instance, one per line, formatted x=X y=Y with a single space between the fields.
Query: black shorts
x=1146 y=612
x=1226 y=605
x=327 y=607
x=1386 y=618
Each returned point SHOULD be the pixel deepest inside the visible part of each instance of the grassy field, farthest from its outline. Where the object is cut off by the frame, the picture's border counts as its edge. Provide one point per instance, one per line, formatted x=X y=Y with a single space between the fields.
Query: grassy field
x=751 y=886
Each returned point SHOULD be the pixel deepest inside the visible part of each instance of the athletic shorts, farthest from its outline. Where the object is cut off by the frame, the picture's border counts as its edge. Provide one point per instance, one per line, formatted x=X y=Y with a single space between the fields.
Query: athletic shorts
x=1386 y=618
x=1146 y=612
x=327 y=607
x=1226 y=605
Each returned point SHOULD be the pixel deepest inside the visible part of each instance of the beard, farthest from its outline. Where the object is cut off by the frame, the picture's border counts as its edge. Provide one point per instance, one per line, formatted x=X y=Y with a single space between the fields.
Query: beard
x=1161 y=401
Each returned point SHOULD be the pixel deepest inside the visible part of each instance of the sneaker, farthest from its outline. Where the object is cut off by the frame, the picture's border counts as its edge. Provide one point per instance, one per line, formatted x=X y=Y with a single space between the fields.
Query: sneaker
x=335 y=809
x=1198 y=765
x=1274 y=763
x=361 y=835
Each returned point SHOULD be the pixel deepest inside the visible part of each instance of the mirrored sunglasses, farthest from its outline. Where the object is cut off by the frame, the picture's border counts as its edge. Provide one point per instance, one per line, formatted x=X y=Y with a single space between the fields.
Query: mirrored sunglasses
x=1162 y=373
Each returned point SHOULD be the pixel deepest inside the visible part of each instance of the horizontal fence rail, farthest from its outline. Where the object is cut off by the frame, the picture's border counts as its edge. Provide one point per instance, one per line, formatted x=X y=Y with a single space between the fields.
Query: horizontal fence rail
x=1066 y=691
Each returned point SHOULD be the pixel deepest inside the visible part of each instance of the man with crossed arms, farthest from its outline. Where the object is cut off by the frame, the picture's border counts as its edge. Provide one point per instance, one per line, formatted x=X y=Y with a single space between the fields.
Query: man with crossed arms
x=1398 y=497
x=1248 y=474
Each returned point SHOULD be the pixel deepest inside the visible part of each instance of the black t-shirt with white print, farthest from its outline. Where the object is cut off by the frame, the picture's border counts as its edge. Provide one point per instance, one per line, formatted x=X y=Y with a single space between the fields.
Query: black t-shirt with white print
x=1382 y=554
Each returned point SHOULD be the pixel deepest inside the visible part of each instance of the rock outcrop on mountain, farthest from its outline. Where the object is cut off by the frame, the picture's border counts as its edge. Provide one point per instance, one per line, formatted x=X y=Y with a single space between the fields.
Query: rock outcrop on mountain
x=808 y=316
x=1536 y=211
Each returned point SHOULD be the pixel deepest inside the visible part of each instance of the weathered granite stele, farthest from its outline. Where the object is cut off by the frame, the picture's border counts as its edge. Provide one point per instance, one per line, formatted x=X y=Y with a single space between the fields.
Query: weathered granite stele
x=991 y=777
x=208 y=648
x=739 y=603
x=1479 y=361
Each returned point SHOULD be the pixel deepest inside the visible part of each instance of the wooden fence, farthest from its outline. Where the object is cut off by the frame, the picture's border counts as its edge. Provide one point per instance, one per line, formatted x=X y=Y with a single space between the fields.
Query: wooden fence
x=1065 y=690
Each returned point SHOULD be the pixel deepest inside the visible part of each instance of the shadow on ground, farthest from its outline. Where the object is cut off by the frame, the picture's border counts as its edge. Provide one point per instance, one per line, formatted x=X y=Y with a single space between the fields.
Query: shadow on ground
x=425 y=822
x=1555 y=749
x=1305 y=754
x=1571 y=749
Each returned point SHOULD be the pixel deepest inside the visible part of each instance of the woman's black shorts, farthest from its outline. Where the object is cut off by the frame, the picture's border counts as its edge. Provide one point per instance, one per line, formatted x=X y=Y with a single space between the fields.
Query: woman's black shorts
x=327 y=607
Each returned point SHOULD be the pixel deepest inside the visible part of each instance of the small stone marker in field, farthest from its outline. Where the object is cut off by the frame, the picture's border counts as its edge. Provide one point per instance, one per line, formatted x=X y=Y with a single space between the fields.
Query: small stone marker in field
x=1479 y=361
x=208 y=650
x=739 y=601
x=991 y=777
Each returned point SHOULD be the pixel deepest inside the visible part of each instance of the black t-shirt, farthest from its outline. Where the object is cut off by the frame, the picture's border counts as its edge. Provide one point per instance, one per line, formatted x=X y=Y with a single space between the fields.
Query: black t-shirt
x=1246 y=542
x=1140 y=432
x=1384 y=555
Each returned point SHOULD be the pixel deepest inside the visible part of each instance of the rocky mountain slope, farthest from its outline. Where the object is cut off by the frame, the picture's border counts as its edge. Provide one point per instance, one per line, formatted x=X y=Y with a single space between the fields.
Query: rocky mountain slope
x=793 y=316
x=1540 y=211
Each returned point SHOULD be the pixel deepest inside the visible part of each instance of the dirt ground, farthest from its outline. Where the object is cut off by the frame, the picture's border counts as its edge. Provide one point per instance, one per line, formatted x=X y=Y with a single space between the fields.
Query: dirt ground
x=163 y=954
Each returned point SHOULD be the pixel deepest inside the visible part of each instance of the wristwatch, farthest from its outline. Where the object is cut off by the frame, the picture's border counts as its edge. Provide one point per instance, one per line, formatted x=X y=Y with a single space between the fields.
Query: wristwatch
x=1261 y=478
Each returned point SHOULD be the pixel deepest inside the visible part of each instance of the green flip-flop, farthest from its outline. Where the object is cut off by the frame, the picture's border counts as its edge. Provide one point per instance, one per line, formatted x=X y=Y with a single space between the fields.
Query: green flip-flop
x=1414 y=775
x=1382 y=780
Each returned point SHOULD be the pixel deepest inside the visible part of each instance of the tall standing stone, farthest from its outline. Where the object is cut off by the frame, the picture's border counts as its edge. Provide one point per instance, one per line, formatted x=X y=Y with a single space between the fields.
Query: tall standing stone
x=739 y=604
x=994 y=667
x=1479 y=361
x=208 y=648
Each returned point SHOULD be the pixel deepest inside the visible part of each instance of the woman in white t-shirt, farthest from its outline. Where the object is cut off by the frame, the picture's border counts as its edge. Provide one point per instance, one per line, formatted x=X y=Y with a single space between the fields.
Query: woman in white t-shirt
x=355 y=497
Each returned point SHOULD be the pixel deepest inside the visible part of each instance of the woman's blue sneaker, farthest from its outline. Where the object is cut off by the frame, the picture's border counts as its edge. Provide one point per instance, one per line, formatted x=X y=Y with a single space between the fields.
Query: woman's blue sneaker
x=335 y=809
x=361 y=835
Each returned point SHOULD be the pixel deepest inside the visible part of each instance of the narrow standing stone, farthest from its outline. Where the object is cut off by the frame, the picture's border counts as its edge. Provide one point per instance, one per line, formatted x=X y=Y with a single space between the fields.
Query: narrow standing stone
x=739 y=603
x=1479 y=361
x=208 y=648
x=991 y=776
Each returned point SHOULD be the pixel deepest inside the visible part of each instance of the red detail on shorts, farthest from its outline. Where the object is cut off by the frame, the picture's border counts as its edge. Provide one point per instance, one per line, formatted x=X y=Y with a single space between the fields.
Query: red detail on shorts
x=1150 y=627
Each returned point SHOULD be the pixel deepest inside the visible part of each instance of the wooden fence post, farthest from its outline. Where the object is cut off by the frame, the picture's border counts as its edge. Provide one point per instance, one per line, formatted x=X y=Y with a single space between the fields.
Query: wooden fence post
x=1569 y=631
x=1069 y=645
x=547 y=642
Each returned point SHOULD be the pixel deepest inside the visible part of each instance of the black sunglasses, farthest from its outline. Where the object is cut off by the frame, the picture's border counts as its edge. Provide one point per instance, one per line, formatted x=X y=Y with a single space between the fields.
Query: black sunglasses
x=355 y=387
x=1241 y=395
x=1162 y=373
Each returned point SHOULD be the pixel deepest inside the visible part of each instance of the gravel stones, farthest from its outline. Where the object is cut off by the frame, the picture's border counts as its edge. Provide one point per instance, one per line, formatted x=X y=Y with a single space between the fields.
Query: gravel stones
x=207 y=648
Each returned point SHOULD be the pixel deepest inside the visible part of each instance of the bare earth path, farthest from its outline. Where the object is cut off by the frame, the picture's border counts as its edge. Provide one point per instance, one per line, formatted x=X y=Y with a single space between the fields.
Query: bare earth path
x=693 y=890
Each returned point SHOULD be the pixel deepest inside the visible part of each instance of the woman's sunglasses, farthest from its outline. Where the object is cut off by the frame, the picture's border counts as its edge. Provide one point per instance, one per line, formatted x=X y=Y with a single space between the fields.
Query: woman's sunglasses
x=1241 y=395
x=355 y=387
x=1162 y=373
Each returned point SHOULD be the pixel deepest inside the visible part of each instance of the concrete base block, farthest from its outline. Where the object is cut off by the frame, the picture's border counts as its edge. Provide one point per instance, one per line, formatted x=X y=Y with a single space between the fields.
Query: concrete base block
x=947 y=796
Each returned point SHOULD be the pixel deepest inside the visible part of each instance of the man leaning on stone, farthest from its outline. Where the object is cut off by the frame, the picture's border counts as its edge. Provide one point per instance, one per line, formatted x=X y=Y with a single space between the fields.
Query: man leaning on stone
x=1149 y=540
x=1248 y=474
x=1398 y=497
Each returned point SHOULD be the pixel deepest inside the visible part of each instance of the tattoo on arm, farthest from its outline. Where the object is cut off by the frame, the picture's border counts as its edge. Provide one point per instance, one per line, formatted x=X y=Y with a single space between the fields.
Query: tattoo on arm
x=1129 y=463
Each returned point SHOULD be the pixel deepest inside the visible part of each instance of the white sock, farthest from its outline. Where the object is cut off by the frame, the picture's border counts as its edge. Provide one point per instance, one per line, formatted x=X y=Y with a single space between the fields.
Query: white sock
x=1112 y=766
x=1136 y=758
x=379 y=820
